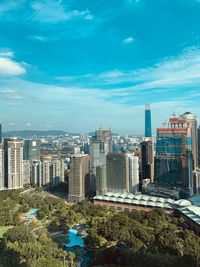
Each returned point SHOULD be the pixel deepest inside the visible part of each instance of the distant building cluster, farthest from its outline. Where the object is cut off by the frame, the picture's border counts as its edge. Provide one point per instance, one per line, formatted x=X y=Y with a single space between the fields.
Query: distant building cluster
x=102 y=171
x=20 y=165
x=95 y=164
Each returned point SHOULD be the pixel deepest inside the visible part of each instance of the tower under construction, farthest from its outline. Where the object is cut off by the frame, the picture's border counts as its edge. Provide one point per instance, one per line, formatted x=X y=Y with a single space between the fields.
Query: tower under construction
x=174 y=159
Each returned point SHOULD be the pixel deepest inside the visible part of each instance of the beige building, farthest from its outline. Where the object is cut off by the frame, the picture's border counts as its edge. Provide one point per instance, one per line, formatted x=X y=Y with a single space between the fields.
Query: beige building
x=57 y=174
x=78 y=176
x=1 y=167
x=13 y=154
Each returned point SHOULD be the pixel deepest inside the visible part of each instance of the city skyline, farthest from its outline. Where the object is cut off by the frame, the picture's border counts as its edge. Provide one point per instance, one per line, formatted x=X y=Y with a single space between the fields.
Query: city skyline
x=77 y=66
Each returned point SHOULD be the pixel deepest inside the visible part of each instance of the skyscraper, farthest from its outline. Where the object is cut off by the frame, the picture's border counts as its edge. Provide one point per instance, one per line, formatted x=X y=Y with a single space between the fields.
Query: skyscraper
x=13 y=163
x=26 y=172
x=32 y=149
x=0 y=133
x=122 y=173
x=2 y=184
x=174 y=159
x=192 y=123
x=198 y=133
x=148 y=132
x=45 y=172
x=101 y=186
x=78 y=174
x=100 y=146
x=57 y=173
x=133 y=172
x=147 y=160
x=36 y=173
x=147 y=149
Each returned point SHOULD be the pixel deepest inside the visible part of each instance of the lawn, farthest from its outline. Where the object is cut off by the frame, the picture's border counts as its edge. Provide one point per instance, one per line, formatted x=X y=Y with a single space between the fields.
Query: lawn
x=4 y=229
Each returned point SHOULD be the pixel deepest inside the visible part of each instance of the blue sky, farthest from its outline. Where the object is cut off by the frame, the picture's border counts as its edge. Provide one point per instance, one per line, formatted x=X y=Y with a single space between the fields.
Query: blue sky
x=76 y=65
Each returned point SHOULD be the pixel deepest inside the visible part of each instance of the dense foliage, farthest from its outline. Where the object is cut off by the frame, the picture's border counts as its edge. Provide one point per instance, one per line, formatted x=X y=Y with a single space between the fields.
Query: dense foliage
x=137 y=239
x=144 y=239
x=22 y=247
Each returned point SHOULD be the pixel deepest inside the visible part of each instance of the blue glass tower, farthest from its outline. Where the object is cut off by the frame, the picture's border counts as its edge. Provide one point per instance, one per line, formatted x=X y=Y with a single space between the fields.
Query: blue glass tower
x=148 y=132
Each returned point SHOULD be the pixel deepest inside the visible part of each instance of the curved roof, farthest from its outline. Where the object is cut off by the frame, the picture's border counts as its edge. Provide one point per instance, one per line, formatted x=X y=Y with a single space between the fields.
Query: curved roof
x=182 y=203
x=137 y=199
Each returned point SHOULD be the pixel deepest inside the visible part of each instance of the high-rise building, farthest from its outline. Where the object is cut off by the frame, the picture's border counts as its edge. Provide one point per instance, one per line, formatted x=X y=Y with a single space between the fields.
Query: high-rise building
x=13 y=163
x=57 y=173
x=122 y=173
x=174 y=159
x=198 y=133
x=101 y=186
x=147 y=150
x=2 y=183
x=78 y=174
x=192 y=123
x=26 y=172
x=0 y=133
x=36 y=173
x=100 y=146
x=133 y=170
x=147 y=160
x=148 y=132
x=46 y=172
x=105 y=136
x=32 y=149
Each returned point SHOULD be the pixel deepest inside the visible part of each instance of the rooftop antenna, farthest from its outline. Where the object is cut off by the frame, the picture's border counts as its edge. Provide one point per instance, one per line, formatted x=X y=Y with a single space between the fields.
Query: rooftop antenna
x=165 y=123
x=174 y=114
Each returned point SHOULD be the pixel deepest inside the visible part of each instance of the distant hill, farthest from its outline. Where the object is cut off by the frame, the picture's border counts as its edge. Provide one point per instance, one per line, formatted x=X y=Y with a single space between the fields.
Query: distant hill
x=32 y=133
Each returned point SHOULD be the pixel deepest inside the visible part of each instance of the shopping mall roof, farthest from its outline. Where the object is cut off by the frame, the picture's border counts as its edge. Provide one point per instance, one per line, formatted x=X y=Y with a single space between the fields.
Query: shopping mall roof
x=183 y=205
x=144 y=200
x=192 y=212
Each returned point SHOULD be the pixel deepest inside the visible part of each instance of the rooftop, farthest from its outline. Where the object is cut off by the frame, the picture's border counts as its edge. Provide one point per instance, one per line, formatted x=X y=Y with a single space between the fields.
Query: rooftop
x=183 y=205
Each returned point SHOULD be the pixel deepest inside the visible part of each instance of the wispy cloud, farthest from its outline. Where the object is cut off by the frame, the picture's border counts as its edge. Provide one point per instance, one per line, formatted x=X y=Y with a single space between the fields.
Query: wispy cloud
x=182 y=70
x=8 y=5
x=53 y=11
x=63 y=102
x=10 y=94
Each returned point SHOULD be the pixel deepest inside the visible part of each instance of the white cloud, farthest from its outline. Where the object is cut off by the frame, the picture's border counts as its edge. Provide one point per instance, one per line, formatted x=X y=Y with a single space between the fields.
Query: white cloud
x=128 y=40
x=9 y=67
x=28 y=124
x=38 y=38
x=54 y=11
x=7 y=54
x=134 y=1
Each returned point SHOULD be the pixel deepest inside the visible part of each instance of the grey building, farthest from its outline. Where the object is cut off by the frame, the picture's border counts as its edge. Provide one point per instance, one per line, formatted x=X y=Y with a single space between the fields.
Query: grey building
x=122 y=173
x=26 y=172
x=101 y=185
x=32 y=149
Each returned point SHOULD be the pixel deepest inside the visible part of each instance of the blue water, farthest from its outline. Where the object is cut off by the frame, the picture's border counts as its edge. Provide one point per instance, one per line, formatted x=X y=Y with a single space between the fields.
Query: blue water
x=76 y=244
x=74 y=239
x=31 y=214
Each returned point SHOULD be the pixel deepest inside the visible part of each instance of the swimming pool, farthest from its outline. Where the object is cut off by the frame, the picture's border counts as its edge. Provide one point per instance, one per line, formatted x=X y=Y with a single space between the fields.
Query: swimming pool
x=31 y=214
x=74 y=239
